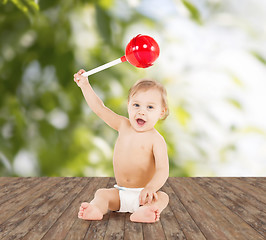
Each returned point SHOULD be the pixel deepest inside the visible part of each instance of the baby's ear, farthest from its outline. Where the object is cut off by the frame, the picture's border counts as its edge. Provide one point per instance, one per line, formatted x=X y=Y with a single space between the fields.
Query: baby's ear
x=162 y=115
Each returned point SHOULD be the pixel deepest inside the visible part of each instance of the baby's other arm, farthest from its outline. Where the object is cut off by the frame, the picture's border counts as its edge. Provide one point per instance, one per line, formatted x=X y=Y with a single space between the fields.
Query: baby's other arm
x=161 y=171
x=96 y=104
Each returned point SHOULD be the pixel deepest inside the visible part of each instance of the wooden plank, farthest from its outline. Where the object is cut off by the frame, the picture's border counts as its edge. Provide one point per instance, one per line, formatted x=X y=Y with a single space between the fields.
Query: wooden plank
x=224 y=196
x=212 y=205
x=10 y=208
x=6 y=181
x=89 y=229
x=115 y=227
x=185 y=221
x=21 y=223
x=96 y=229
x=153 y=231
x=56 y=208
x=13 y=189
x=259 y=182
x=171 y=227
x=200 y=210
x=256 y=192
x=133 y=230
x=236 y=224
x=251 y=203
x=8 y=186
x=62 y=226
x=251 y=211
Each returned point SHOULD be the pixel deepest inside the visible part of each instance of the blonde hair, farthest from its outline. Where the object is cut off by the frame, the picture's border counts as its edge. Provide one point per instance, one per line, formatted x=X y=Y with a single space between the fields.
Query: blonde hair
x=145 y=85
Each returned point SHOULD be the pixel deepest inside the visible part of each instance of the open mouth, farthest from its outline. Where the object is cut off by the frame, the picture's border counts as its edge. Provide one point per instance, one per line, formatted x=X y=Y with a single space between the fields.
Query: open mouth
x=140 y=122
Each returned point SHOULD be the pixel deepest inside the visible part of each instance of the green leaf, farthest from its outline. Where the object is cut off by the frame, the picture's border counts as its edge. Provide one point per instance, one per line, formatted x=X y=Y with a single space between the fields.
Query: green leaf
x=259 y=57
x=195 y=14
x=29 y=7
x=253 y=129
x=106 y=4
x=182 y=115
x=235 y=103
x=103 y=24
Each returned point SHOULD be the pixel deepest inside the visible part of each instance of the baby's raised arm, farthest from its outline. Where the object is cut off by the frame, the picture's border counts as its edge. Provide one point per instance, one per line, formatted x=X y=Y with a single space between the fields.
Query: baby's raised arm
x=96 y=104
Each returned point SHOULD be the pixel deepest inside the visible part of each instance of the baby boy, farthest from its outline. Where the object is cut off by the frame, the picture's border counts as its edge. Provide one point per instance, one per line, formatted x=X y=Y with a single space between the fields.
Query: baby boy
x=140 y=158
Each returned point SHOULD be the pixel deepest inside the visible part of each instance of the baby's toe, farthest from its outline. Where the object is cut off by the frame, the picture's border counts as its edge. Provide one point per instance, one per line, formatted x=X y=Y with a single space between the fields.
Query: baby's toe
x=80 y=214
x=84 y=205
x=157 y=216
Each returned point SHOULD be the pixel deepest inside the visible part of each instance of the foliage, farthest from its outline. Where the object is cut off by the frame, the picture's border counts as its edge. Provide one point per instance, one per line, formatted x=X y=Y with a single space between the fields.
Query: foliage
x=46 y=127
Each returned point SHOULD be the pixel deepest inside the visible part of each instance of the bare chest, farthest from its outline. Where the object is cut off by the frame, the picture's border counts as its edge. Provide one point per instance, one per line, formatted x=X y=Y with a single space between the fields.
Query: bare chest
x=134 y=144
x=133 y=161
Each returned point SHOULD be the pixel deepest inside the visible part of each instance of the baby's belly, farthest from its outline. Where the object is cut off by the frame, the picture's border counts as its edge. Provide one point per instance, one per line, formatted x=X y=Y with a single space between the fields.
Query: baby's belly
x=133 y=177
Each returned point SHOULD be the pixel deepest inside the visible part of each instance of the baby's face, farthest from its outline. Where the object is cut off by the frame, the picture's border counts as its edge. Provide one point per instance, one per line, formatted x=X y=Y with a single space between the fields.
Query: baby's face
x=145 y=109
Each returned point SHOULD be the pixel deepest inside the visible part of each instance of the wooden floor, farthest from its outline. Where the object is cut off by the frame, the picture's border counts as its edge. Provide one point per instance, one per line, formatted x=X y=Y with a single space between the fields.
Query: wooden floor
x=199 y=208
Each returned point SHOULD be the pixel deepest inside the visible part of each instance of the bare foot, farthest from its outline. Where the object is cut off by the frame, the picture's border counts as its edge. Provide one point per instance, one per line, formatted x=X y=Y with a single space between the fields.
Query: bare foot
x=88 y=211
x=146 y=214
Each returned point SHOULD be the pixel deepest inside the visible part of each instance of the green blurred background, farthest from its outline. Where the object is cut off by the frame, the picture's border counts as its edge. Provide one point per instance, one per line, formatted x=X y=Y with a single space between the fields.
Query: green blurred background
x=212 y=63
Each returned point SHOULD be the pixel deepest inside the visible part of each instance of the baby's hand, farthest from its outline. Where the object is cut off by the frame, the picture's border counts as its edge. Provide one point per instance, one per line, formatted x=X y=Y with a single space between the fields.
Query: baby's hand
x=147 y=195
x=79 y=79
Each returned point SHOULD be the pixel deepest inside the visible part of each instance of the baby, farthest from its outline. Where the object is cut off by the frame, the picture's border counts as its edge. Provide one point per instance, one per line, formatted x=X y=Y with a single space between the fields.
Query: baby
x=140 y=159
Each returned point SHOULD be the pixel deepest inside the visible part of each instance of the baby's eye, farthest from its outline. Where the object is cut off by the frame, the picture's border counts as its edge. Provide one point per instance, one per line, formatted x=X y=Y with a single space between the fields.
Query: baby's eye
x=135 y=105
x=150 y=107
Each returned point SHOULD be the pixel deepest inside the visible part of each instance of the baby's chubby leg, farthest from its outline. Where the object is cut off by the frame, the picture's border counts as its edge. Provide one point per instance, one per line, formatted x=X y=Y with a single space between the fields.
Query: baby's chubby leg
x=104 y=199
x=150 y=213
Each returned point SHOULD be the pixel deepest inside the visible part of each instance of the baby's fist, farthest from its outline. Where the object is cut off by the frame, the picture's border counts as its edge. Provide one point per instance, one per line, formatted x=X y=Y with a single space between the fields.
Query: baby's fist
x=79 y=79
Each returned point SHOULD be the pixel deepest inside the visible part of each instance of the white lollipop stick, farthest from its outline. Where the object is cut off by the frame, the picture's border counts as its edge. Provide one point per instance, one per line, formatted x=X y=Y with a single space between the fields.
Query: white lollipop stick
x=100 y=68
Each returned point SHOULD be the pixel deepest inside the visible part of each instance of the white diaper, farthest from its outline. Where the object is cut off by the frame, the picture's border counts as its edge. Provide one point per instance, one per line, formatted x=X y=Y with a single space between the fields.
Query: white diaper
x=129 y=198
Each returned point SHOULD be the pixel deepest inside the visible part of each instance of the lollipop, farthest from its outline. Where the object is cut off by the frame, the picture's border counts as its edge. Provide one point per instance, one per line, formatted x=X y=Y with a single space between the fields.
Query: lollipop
x=141 y=52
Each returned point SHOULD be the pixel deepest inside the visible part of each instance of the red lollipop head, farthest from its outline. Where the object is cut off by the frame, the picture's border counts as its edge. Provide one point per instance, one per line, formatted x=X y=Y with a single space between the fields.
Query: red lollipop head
x=142 y=51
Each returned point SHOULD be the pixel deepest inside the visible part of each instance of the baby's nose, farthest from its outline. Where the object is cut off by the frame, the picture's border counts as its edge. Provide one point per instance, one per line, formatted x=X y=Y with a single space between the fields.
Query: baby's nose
x=141 y=111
